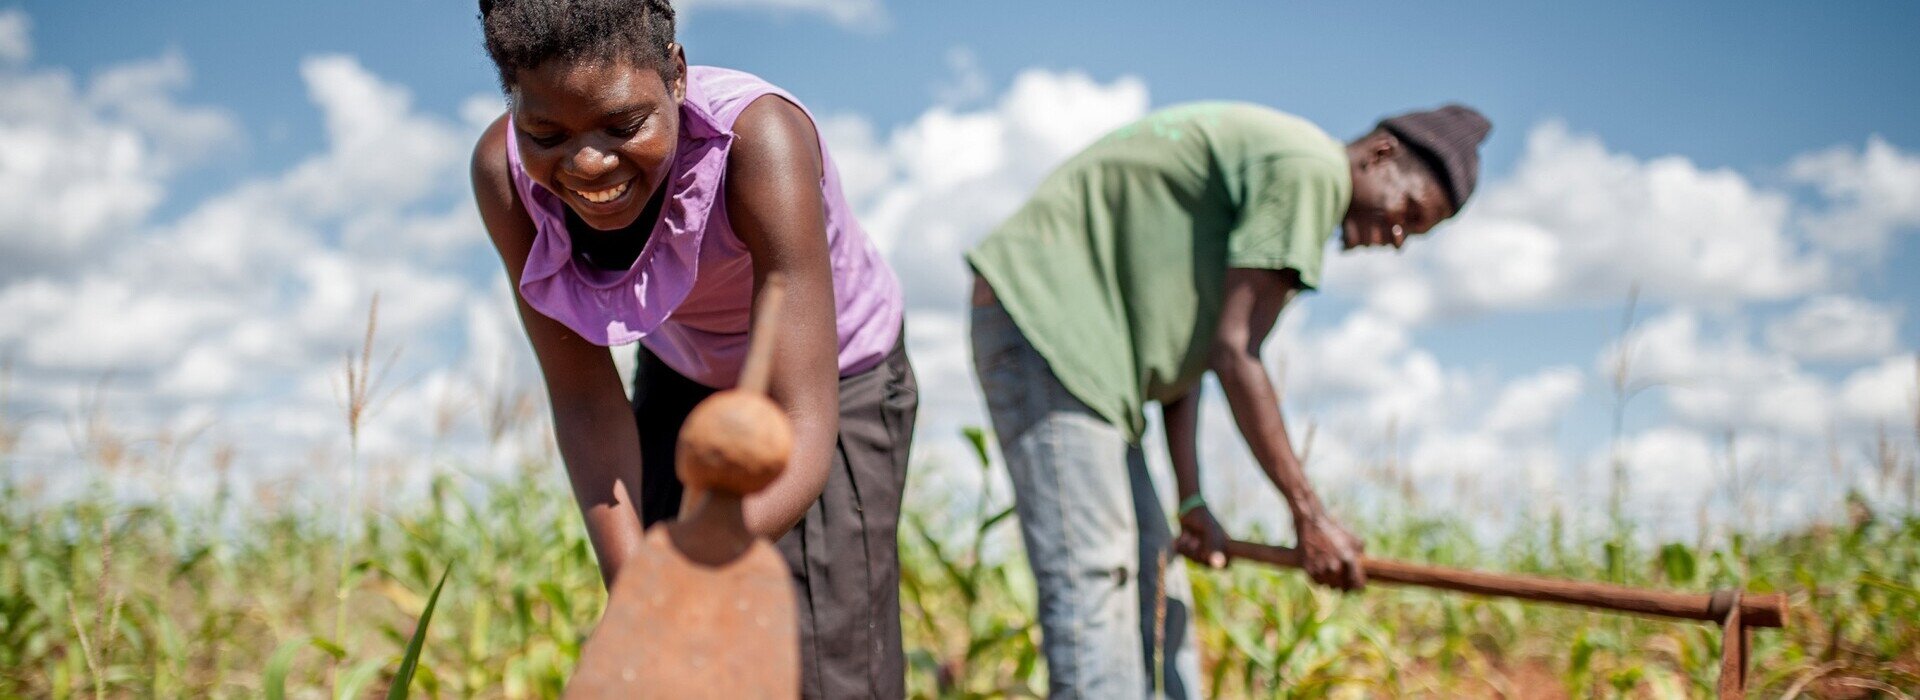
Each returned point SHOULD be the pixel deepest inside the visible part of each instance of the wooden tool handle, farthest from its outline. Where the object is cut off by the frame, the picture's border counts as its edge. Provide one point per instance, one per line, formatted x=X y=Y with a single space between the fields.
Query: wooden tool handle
x=1756 y=610
x=757 y=371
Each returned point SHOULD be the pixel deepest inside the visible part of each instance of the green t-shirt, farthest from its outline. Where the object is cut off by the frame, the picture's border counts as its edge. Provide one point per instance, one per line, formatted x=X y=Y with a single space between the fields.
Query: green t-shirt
x=1114 y=269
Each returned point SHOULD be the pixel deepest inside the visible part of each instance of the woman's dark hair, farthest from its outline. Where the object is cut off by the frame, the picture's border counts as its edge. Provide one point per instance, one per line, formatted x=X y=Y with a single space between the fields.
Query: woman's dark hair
x=522 y=34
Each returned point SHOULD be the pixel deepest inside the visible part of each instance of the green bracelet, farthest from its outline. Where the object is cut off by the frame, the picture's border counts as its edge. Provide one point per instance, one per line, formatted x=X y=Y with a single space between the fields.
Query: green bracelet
x=1191 y=502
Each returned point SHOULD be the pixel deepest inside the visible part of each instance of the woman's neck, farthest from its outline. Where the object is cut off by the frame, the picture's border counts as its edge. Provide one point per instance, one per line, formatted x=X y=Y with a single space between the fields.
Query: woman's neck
x=615 y=250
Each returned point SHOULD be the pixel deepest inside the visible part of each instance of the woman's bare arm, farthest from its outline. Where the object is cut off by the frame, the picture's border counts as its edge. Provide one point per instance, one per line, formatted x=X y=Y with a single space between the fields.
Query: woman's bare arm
x=592 y=421
x=774 y=201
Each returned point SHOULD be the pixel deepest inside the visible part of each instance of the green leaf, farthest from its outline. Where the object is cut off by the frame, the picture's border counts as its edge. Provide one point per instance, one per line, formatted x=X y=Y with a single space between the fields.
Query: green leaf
x=1677 y=559
x=995 y=520
x=333 y=649
x=274 y=684
x=190 y=560
x=1626 y=679
x=404 y=678
x=977 y=437
x=274 y=681
x=1616 y=554
x=361 y=675
x=1581 y=658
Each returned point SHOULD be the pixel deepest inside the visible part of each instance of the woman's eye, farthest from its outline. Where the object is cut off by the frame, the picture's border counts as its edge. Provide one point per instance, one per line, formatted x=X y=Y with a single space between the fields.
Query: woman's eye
x=547 y=140
x=625 y=131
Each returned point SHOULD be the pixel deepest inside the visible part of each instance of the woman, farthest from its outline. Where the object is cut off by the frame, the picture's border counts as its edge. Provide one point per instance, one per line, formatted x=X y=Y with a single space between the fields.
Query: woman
x=633 y=198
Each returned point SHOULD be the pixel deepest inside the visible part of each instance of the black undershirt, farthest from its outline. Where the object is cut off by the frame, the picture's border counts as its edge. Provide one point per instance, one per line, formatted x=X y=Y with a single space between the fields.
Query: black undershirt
x=614 y=250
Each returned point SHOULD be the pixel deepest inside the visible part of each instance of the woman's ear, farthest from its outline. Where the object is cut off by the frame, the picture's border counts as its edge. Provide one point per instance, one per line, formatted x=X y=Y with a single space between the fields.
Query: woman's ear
x=679 y=87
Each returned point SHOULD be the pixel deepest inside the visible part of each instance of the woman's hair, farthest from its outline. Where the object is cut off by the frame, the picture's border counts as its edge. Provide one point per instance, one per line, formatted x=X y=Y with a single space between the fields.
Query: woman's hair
x=522 y=34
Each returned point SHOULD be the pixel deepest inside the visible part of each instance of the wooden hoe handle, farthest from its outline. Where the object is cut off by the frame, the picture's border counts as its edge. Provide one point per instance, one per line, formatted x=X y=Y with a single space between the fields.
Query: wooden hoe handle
x=1756 y=610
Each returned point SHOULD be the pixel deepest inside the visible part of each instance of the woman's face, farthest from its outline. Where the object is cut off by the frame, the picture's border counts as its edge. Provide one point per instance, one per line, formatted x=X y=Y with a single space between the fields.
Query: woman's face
x=599 y=134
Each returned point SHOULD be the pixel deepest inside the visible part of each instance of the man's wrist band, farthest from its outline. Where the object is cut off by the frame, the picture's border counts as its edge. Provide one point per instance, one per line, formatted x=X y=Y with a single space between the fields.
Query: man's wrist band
x=1191 y=502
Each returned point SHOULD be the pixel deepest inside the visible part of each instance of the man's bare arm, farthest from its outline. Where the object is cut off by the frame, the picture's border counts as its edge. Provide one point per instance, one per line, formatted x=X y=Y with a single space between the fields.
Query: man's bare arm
x=1251 y=305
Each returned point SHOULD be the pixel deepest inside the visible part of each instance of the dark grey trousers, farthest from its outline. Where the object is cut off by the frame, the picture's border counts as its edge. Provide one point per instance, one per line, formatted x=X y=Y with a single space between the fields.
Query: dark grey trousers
x=844 y=553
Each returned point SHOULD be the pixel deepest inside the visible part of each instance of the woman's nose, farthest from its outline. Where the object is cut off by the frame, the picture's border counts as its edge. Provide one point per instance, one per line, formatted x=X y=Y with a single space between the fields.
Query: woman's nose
x=591 y=162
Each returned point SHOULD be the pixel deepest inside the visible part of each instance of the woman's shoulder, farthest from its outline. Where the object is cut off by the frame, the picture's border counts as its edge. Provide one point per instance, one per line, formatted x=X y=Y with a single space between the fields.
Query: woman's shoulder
x=492 y=174
x=725 y=94
x=493 y=189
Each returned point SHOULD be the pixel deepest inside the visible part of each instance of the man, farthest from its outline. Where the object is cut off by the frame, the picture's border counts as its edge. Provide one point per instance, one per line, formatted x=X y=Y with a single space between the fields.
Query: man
x=1164 y=251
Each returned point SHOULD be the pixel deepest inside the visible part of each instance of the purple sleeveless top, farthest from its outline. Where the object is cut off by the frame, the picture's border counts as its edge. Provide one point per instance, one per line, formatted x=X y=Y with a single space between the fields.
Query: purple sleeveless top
x=688 y=296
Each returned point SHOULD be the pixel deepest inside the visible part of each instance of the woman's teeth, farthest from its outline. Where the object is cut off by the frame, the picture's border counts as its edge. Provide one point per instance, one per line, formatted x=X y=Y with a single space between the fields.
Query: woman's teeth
x=603 y=196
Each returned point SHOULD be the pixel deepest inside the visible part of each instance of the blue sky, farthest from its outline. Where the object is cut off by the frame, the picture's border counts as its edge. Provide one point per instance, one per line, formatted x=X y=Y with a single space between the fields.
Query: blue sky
x=1745 y=89
x=1753 y=168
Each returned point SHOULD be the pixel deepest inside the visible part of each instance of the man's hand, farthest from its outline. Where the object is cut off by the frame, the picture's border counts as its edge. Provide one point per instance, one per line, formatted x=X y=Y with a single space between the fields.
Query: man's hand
x=1331 y=554
x=1202 y=539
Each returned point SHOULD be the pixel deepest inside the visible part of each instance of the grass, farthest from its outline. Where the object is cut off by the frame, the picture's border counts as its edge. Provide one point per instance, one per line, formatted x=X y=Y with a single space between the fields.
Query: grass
x=99 y=598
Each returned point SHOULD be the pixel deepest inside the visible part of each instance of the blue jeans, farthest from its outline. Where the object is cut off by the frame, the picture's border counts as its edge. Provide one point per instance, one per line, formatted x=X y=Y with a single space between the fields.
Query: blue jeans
x=1096 y=535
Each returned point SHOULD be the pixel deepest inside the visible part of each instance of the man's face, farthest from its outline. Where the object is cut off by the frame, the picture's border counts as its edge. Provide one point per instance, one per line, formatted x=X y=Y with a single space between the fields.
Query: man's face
x=1395 y=196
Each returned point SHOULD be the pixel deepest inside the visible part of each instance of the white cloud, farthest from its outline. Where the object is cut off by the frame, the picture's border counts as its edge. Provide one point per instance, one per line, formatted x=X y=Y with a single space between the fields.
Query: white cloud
x=1872 y=193
x=1835 y=328
x=140 y=94
x=16 y=42
x=1886 y=394
x=81 y=168
x=864 y=164
x=863 y=15
x=1669 y=469
x=252 y=298
x=968 y=82
x=931 y=188
x=940 y=183
x=1495 y=472
x=382 y=154
x=63 y=188
x=1365 y=380
x=1535 y=403
x=1578 y=224
x=479 y=111
x=1721 y=381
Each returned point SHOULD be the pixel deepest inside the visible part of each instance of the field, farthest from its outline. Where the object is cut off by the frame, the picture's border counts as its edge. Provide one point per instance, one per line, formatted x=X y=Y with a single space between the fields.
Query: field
x=99 y=598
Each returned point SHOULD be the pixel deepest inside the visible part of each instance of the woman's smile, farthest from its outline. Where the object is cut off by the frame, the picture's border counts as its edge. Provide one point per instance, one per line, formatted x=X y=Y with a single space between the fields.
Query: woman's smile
x=602 y=202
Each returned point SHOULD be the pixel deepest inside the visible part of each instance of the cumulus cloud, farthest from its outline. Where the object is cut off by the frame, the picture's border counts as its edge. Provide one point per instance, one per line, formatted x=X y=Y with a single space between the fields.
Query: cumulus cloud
x=1872 y=193
x=968 y=82
x=252 y=297
x=1835 y=328
x=1717 y=381
x=1885 y=394
x=1367 y=376
x=929 y=189
x=939 y=183
x=16 y=42
x=140 y=94
x=862 y=15
x=1669 y=469
x=1714 y=377
x=1534 y=403
x=83 y=166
